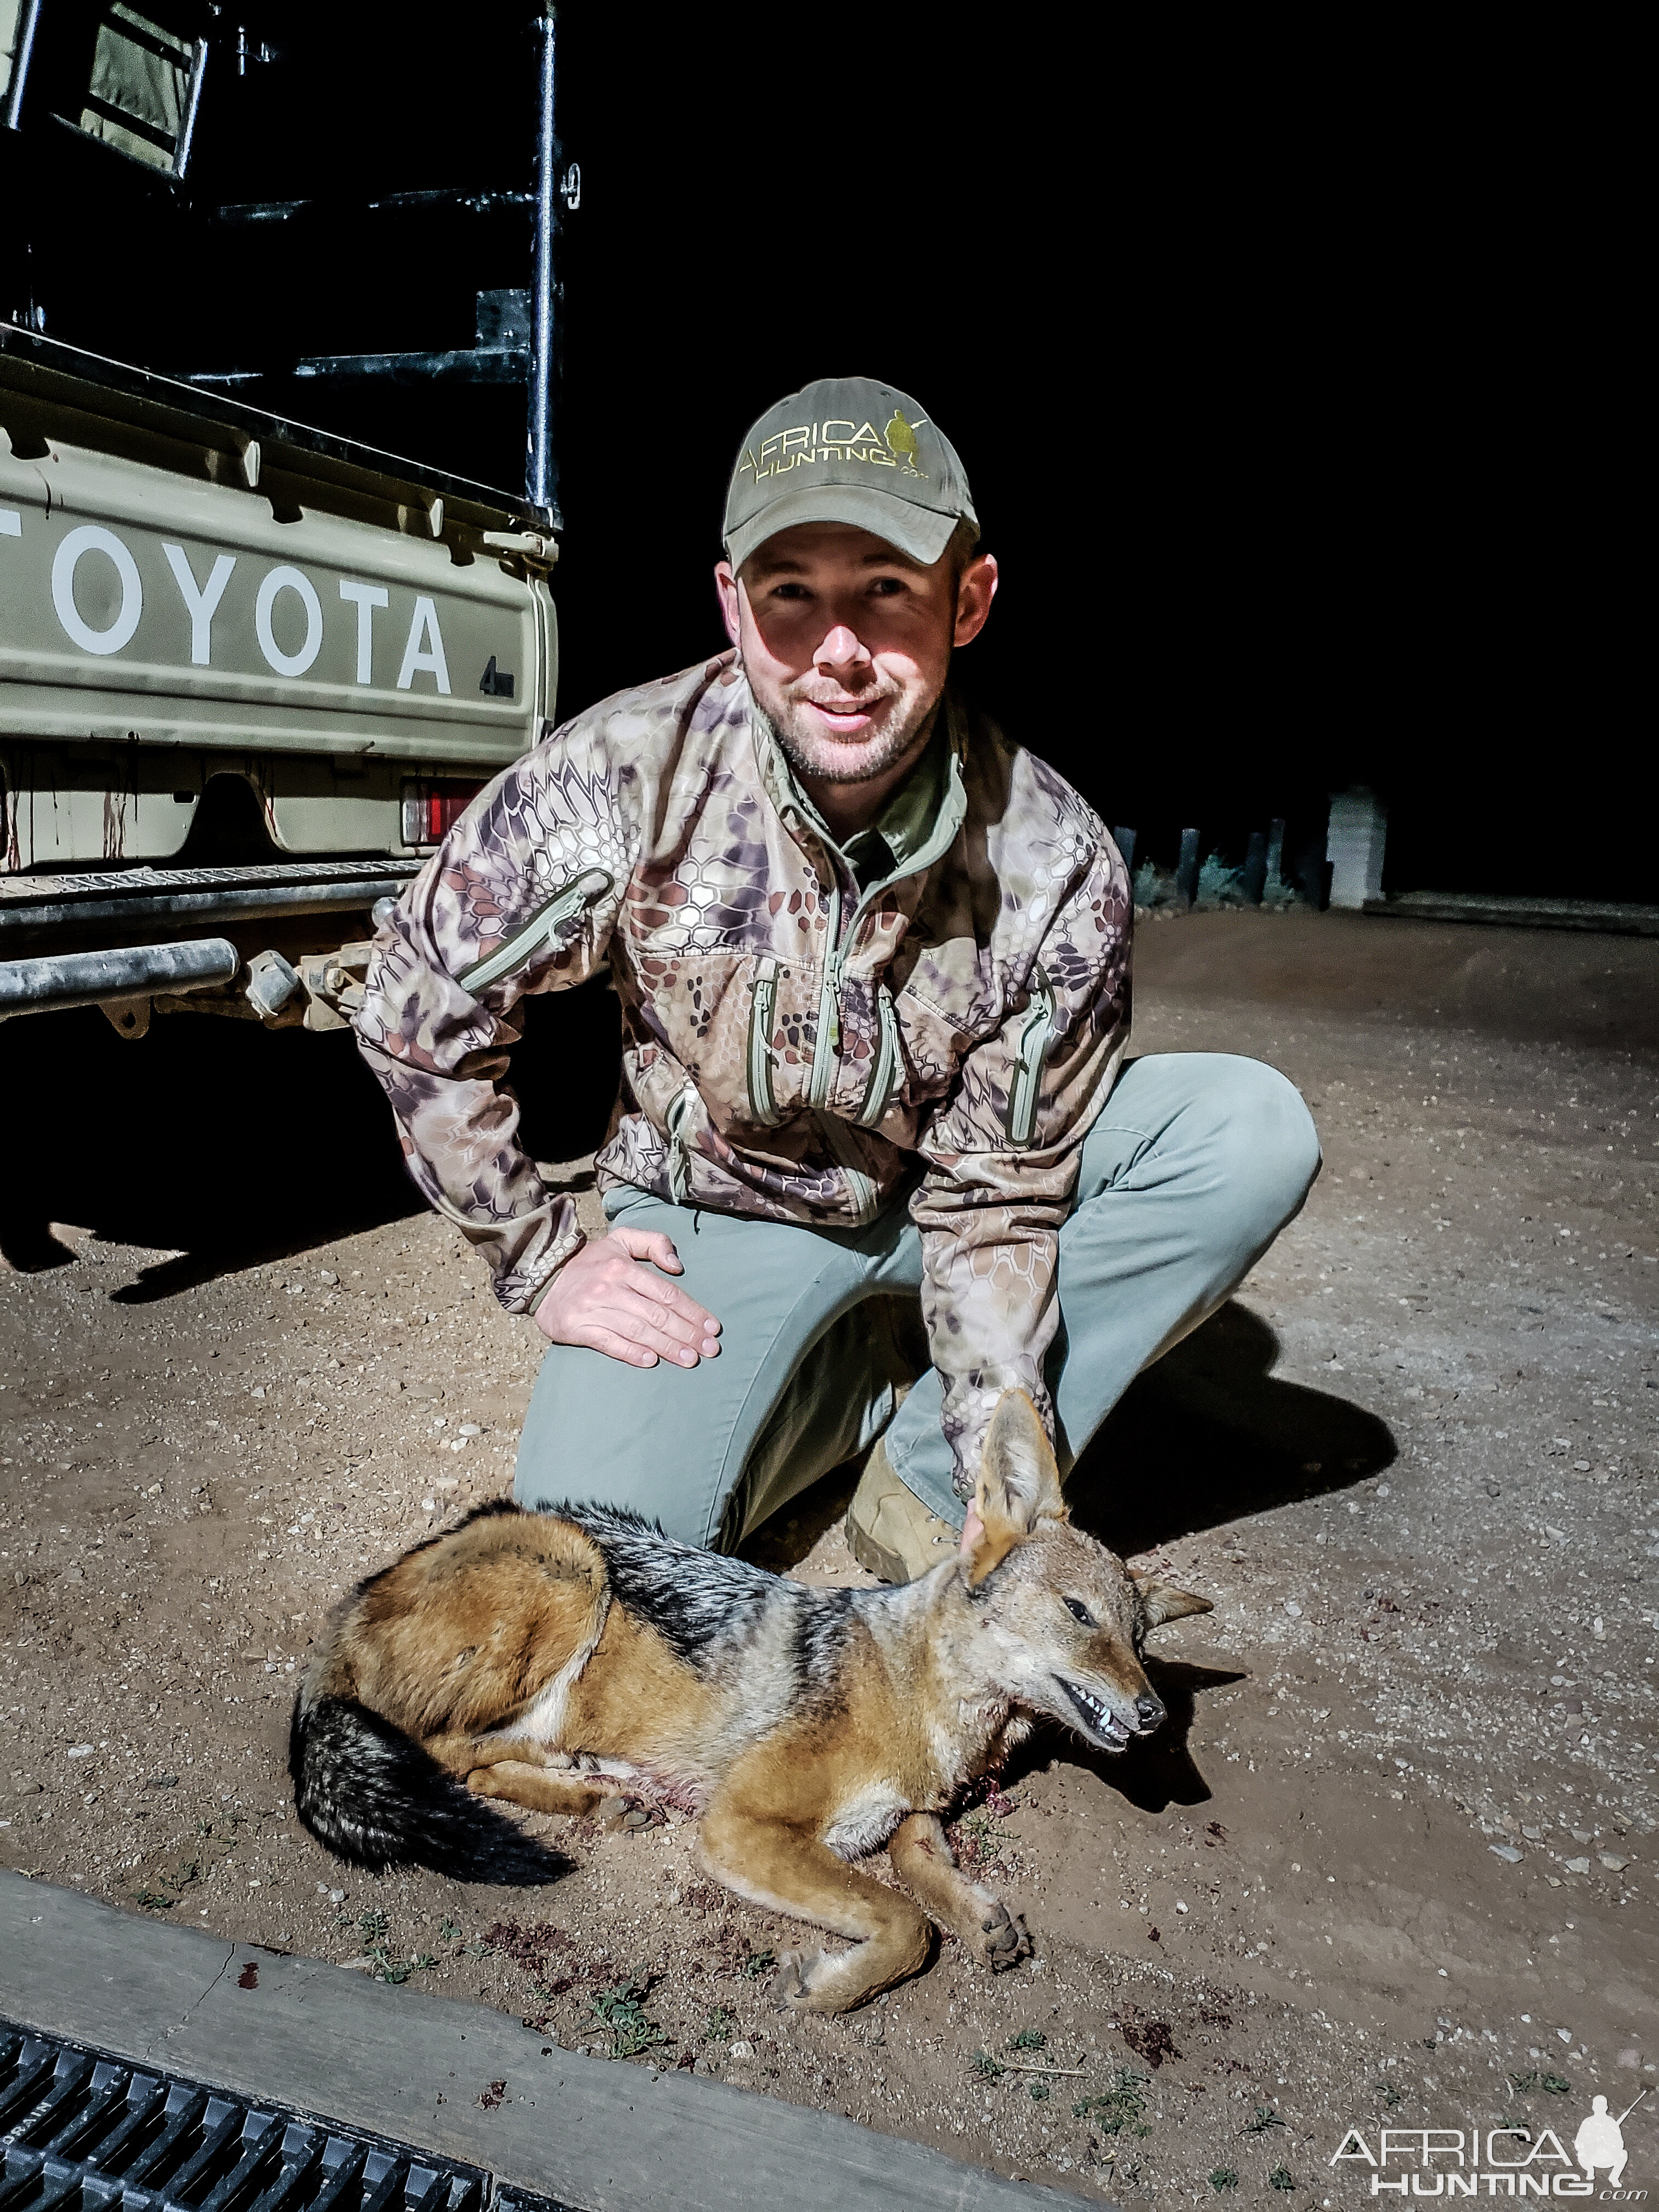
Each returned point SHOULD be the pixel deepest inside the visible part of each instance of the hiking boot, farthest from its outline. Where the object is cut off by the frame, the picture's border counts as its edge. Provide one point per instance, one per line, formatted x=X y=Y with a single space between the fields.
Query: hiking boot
x=890 y=1530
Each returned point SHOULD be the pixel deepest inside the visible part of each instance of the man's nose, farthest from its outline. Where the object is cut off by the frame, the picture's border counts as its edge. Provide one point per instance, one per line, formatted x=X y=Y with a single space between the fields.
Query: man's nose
x=1149 y=1711
x=841 y=648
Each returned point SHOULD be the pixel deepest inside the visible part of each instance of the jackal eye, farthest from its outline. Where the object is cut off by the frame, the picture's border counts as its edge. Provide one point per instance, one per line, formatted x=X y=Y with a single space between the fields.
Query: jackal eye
x=1079 y=1613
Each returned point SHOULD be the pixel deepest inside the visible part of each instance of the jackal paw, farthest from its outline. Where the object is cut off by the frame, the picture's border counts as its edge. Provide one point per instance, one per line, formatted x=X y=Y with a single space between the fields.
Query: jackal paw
x=1002 y=1940
x=790 y=1988
x=629 y=1816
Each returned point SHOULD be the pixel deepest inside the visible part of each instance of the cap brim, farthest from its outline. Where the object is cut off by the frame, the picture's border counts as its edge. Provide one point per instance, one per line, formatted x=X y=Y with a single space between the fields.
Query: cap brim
x=917 y=530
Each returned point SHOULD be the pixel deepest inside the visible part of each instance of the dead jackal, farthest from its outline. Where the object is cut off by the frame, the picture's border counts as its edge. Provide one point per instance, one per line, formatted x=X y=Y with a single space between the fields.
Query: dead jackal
x=549 y=1658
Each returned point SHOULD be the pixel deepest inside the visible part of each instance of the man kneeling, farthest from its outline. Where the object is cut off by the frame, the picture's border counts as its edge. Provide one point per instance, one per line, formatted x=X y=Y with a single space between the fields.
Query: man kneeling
x=879 y=1157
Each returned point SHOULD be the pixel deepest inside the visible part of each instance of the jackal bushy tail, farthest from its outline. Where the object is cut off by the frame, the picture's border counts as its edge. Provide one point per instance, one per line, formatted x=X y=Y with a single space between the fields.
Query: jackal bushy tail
x=372 y=1797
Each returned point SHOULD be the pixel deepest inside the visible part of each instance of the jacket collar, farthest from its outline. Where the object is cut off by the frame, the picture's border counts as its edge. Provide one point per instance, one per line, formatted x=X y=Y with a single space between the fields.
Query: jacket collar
x=920 y=822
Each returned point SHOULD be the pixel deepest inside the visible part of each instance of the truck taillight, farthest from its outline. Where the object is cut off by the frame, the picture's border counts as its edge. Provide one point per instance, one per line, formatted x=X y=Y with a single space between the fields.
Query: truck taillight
x=432 y=810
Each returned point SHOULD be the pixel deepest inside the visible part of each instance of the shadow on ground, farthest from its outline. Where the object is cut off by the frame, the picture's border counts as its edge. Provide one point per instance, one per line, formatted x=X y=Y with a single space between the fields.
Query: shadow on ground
x=233 y=1146
x=1209 y=1435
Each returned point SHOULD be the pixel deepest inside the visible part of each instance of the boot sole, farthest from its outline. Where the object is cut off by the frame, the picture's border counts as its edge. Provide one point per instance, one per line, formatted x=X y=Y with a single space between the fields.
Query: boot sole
x=875 y=1558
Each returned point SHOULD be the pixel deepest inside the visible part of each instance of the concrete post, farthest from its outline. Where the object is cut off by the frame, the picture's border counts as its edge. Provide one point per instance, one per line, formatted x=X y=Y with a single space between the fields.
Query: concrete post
x=1255 y=867
x=1276 y=850
x=1353 y=846
x=1187 y=866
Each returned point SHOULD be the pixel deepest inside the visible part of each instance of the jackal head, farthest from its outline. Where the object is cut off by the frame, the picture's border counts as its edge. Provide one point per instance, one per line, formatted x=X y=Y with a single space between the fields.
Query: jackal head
x=1065 y=1619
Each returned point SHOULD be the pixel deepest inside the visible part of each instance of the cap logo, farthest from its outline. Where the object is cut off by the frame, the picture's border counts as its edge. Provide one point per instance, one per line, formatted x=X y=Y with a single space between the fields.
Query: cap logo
x=811 y=442
x=901 y=441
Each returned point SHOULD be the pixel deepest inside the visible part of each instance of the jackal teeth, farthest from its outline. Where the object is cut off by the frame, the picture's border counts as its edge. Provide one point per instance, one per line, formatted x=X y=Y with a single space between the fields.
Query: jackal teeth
x=1102 y=1721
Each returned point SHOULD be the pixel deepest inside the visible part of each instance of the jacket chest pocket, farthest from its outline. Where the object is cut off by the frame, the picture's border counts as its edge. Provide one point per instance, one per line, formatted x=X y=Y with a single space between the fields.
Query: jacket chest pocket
x=886 y=1066
x=888 y=1072
x=761 y=1059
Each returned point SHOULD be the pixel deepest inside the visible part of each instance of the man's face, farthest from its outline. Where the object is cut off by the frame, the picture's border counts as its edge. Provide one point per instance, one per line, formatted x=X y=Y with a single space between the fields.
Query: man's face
x=845 y=642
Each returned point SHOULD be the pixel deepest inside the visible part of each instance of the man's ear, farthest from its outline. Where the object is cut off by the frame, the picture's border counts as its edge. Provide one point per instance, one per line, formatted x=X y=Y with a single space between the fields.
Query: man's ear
x=976 y=587
x=730 y=607
x=1164 y=1602
x=1018 y=1484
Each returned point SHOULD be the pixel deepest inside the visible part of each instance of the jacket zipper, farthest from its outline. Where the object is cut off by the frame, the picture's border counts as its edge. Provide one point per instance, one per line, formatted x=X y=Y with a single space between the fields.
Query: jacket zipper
x=679 y=1153
x=763 y=1097
x=861 y=1188
x=1034 y=1042
x=826 y=1042
x=569 y=899
x=881 y=1080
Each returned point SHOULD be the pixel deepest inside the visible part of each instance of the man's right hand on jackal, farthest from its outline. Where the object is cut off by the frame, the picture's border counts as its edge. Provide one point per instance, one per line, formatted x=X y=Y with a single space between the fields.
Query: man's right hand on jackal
x=604 y=1299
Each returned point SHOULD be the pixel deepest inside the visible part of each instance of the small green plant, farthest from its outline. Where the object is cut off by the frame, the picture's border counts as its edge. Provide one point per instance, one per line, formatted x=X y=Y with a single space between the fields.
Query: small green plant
x=1219 y=884
x=988 y=2069
x=1119 y=2108
x=1556 y=2084
x=448 y=1930
x=372 y=1927
x=1029 y=2039
x=190 y=1870
x=984 y=1836
x=759 y=1963
x=622 y=2011
x=154 y=1900
x=1385 y=2089
x=1038 y=2093
x=1266 y=2117
x=1223 y=2178
x=1279 y=2179
x=719 y=2025
x=387 y=1969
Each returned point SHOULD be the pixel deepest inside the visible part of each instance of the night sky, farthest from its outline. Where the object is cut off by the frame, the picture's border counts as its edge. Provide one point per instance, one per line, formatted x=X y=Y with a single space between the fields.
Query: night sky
x=1247 y=336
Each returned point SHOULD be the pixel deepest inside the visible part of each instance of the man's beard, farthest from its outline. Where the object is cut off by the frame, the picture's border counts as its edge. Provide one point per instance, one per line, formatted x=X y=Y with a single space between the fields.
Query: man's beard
x=811 y=752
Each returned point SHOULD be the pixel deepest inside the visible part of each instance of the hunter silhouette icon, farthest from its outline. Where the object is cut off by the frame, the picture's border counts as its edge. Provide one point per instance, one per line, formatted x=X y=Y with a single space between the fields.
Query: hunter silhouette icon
x=1600 y=2140
x=901 y=441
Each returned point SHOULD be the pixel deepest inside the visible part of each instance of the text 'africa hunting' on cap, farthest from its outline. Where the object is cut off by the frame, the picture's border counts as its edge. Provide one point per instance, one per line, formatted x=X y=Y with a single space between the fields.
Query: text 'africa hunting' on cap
x=847 y=450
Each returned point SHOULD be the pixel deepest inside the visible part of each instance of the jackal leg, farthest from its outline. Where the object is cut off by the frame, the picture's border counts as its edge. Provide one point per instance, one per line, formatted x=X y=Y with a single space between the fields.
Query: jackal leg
x=512 y=1767
x=920 y=1856
x=539 y=1789
x=461 y=1753
x=773 y=1865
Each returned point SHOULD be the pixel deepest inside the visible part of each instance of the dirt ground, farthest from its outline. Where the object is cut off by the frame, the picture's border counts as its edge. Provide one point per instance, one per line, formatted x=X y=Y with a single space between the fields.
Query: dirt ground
x=1391 y=1861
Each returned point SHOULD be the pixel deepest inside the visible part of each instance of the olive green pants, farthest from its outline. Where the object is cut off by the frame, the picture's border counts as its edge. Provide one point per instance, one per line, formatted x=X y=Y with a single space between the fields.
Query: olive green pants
x=1196 y=1163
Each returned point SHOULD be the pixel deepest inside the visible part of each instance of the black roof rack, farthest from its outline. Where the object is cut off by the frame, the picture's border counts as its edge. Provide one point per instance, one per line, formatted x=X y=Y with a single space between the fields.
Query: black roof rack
x=49 y=370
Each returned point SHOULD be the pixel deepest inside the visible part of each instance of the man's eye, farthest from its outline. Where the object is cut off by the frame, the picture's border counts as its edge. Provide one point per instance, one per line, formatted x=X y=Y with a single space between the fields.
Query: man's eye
x=886 y=587
x=790 y=592
x=1079 y=1613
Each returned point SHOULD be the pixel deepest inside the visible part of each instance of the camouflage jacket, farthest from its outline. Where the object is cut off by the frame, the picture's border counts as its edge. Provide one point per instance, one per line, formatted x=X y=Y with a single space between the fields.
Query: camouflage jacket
x=793 y=1048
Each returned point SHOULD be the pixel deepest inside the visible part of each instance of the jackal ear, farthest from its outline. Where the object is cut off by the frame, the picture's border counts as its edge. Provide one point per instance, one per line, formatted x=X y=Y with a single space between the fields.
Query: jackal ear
x=1164 y=1602
x=1018 y=1483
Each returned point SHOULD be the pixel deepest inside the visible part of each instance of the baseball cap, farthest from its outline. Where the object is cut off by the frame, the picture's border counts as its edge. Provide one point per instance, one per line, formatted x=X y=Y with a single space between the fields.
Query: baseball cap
x=848 y=449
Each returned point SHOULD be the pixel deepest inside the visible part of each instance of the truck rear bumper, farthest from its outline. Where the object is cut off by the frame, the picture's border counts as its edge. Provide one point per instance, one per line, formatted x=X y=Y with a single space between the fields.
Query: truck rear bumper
x=32 y=906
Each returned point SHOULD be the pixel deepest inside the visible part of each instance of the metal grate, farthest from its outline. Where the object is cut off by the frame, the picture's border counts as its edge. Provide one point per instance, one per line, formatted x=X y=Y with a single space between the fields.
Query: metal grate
x=82 y=2133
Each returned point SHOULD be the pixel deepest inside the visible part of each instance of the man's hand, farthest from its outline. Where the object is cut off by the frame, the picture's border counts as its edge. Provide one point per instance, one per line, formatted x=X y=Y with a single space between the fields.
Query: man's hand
x=604 y=1299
